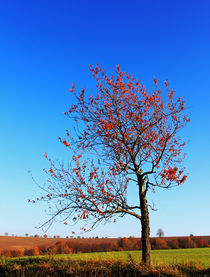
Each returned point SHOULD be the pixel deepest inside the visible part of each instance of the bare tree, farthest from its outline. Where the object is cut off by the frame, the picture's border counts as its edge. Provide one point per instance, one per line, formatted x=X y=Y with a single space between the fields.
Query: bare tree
x=160 y=233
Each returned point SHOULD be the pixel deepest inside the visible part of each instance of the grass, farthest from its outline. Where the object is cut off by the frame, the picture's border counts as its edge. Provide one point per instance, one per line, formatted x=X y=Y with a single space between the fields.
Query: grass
x=197 y=256
x=193 y=256
x=166 y=263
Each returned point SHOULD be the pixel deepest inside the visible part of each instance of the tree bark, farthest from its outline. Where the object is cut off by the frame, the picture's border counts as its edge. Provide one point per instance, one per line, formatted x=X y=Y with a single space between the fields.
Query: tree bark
x=145 y=229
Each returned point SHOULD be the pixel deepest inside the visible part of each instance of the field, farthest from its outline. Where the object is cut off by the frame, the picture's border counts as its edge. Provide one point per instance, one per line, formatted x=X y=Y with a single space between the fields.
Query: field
x=8 y=242
x=167 y=262
x=195 y=256
x=181 y=262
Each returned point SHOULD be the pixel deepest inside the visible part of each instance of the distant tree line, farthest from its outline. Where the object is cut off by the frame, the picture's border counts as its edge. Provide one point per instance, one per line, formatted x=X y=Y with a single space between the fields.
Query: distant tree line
x=103 y=245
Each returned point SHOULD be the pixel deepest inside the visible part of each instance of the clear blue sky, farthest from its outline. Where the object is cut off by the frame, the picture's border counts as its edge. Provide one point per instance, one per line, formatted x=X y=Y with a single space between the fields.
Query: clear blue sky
x=45 y=45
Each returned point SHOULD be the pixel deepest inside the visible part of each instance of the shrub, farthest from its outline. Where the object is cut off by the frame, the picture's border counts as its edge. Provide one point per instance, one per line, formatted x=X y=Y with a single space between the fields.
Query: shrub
x=126 y=244
x=174 y=244
x=16 y=253
x=43 y=249
x=6 y=253
x=61 y=247
x=187 y=243
x=199 y=242
x=159 y=243
x=32 y=252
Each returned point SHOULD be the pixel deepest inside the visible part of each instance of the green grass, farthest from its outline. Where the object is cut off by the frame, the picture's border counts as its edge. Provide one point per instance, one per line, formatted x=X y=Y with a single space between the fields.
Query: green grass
x=197 y=256
x=174 y=263
x=193 y=256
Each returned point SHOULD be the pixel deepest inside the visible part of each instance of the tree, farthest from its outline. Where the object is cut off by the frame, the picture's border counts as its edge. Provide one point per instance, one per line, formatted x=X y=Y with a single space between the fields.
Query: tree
x=122 y=136
x=160 y=233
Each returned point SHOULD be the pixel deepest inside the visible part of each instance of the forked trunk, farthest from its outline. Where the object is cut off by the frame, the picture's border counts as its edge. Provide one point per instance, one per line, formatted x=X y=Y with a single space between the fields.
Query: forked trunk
x=145 y=230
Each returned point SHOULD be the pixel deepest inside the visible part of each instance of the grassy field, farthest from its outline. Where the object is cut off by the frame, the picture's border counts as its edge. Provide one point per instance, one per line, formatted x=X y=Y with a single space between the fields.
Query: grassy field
x=159 y=257
x=195 y=256
x=174 y=263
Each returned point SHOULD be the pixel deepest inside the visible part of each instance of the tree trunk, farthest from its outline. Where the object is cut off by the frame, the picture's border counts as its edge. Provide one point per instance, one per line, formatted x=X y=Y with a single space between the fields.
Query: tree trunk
x=145 y=230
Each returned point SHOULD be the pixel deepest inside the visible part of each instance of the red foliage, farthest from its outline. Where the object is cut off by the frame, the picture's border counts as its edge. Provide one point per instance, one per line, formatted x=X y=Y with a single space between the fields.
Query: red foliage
x=199 y=242
x=127 y=244
x=132 y=133
x=61 y=247
x=174 y=244
x=159 y=243
x=16 y=253
x=32 y=252
x=102 y=245
x=43 y=249
x=6 y=253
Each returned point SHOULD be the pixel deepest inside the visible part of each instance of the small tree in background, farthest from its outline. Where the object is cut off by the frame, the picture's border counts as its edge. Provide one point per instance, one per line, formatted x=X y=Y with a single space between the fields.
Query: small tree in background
x=134 y=138
x=160 y=233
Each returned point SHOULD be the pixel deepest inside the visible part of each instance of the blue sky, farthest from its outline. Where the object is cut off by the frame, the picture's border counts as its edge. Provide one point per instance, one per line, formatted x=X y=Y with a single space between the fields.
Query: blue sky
x=45 y=45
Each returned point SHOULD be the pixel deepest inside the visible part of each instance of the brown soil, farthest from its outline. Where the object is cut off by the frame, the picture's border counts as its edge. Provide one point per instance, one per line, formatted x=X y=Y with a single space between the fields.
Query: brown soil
x=24 y=242
x=7 y=242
